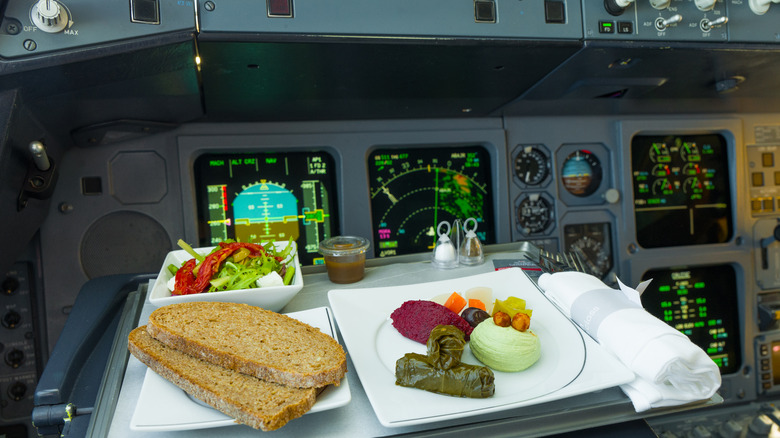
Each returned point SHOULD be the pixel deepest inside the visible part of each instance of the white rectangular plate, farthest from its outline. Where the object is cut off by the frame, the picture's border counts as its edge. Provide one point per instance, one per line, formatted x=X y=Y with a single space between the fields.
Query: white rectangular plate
x=163 y=406
x=374 y=345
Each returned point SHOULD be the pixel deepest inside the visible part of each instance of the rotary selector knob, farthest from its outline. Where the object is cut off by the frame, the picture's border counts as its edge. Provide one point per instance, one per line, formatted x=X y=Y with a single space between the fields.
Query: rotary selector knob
x=49 y=16
x=660 y=4
x=705 y=5
x=760 y=7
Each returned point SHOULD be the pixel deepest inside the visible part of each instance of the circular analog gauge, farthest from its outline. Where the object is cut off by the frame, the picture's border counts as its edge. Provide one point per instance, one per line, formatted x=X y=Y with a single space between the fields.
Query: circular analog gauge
x=591 y=243
x=532 y=166
x=534 y=214
x=691 y=169
x=581 y=173
x=661 y=170
x=662 y=186
x=689 y=151
x=693 y=186
x=659 y=153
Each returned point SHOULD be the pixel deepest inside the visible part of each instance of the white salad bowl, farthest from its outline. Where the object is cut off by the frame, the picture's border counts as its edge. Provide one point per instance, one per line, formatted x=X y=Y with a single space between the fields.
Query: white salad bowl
x=272 y=298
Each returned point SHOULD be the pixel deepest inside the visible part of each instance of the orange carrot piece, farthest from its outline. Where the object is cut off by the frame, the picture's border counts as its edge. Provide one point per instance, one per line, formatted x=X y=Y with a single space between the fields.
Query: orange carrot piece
x=455 y=302
x=473 y=302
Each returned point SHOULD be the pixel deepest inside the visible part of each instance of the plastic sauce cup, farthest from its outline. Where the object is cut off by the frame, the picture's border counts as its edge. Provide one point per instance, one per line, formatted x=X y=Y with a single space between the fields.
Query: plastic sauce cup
x=345 y=258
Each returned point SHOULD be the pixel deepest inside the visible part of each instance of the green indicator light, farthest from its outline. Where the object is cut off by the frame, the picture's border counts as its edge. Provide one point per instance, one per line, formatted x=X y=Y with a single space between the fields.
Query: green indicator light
x=606 y=24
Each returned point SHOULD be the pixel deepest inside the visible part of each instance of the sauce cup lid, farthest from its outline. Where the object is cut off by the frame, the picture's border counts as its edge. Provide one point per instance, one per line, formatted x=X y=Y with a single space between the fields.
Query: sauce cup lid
x=343 y=245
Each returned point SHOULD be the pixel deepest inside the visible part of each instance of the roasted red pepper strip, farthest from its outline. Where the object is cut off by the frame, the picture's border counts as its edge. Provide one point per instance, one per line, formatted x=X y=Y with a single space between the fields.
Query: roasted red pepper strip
x=184 y=277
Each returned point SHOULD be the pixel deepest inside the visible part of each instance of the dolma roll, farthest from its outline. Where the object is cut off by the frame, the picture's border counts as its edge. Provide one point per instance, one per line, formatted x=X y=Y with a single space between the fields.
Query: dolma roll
x=441 y=370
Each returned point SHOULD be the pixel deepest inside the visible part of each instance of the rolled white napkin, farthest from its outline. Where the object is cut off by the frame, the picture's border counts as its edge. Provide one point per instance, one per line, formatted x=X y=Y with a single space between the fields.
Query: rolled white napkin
x=671 y=370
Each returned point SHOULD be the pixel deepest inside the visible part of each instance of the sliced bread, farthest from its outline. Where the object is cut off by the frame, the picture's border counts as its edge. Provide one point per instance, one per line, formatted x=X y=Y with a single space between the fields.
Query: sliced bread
x=251 y=401
x=251 y=340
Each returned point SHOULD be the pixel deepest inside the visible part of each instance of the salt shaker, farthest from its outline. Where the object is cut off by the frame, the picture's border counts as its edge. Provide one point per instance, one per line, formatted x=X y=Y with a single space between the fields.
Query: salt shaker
x=445 y=256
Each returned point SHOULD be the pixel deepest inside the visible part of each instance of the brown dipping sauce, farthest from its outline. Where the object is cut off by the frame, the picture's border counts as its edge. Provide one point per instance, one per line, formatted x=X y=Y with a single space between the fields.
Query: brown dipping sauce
x=345 y=258
x=343 y=271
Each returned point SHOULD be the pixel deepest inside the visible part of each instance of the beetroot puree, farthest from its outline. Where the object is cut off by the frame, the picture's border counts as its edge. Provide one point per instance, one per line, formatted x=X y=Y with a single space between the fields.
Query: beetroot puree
x=416 y=319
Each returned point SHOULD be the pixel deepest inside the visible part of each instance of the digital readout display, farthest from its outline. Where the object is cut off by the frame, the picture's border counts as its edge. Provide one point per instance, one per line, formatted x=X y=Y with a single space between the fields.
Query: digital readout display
x=681 y=190
x=700 y=302
x=414 y=189
x=265 y=197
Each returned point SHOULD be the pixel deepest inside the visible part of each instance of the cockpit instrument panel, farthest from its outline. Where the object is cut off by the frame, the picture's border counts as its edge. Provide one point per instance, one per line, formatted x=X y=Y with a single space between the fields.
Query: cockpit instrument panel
x=681 y=190
x=266 y=197
x=701 y=302
x=414 y=189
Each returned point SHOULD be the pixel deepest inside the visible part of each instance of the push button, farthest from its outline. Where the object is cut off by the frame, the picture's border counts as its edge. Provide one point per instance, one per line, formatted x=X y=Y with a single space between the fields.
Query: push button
x=554 y=12
x=757 y=179
x=625 y=27
x=279 y=8
x=484 y=11
x=606 y=27
x=145 y=11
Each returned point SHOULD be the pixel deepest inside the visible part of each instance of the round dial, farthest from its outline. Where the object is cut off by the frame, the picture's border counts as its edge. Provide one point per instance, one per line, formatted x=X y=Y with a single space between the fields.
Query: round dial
x=534 y=214
x=49 y=16
x=581 y=173
x=532 y=166
x=591 y=243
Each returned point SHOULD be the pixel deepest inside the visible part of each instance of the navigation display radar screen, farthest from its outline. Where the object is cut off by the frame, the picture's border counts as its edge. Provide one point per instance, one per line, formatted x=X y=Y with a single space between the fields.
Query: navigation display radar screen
x=701 y=302
x=414 y=189
x=681 y=190
x=267 y=197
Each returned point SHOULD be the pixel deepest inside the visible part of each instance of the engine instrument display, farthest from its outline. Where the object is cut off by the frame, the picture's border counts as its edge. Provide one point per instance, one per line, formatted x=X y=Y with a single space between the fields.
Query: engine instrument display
x=414 y=189
x=267 y=197
x=702 y=303
x=681 y=190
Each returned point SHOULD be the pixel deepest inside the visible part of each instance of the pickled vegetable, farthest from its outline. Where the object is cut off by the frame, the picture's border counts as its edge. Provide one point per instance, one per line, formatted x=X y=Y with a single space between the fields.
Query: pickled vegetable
x=511 y=306
x=455 y=302
x=473 y=302
x=441 y=370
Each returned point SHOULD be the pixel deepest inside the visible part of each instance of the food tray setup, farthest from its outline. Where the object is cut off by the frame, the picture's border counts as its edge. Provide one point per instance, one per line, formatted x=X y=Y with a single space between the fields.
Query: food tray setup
x=571 y=363
x=162 y=406
x=273 y=298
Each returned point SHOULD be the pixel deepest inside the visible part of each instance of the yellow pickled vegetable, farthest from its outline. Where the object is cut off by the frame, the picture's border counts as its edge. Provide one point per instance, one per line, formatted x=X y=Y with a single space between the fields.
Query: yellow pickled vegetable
x=511 y=306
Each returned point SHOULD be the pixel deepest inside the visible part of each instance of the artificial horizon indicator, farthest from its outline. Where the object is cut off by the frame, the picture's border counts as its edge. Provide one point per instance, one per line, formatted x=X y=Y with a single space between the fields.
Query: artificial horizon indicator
x=261 y=197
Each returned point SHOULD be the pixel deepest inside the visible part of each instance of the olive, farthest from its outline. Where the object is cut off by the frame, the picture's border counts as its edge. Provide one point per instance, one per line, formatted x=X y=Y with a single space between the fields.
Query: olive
x=474 y=315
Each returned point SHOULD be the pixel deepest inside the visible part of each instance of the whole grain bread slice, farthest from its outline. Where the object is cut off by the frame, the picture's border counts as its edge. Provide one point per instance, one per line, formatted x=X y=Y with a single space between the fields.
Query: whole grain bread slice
x=251 y=340
x=251 y=401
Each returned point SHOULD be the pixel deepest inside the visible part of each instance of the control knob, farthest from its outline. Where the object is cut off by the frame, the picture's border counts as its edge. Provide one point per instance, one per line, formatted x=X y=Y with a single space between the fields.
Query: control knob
x=617 y=7
x=49 y=16
x=759 y=7
x=660 y=4
x=705 y=5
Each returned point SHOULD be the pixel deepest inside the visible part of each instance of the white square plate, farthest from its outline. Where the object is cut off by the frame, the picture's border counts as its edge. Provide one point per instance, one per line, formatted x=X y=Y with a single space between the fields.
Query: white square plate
x=163 y=406
x=375 y=345
x=270 y=298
